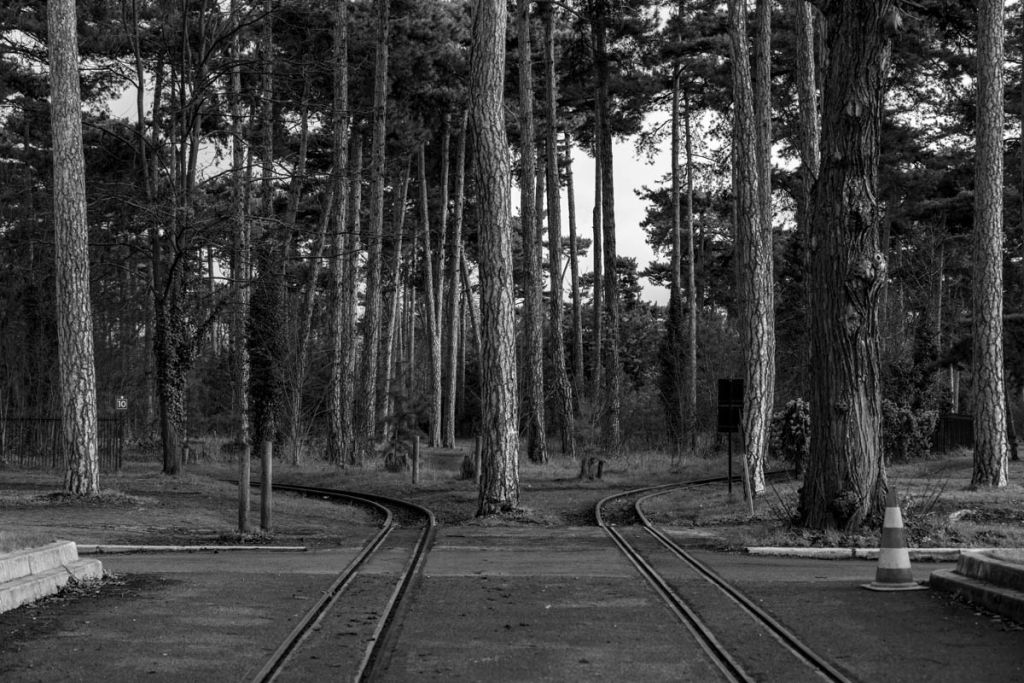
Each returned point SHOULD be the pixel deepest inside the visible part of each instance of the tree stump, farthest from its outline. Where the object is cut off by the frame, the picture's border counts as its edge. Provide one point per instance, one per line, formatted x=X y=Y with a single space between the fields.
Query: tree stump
x=591 y=468
x=468 y=470
x=396 y=461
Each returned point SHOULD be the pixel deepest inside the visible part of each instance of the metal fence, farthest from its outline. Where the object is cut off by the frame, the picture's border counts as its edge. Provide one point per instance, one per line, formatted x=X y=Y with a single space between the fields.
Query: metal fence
x=953 y=431
x=37 y=443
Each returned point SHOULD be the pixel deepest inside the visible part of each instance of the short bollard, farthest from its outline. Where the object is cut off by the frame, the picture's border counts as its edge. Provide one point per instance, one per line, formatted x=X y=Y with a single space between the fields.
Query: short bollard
x=416 y=460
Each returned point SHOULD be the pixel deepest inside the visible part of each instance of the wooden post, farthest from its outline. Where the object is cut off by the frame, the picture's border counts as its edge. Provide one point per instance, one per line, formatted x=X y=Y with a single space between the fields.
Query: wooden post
x=266 y=486
x=416 y=460
x=477 y=458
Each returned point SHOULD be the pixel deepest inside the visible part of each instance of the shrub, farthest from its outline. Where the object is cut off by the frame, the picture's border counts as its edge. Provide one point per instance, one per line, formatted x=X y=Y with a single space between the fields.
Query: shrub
x=790 y=433
x=906 y=432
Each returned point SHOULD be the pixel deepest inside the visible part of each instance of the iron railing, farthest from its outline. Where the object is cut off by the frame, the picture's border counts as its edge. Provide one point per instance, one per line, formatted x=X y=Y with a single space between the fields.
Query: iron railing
x=37 y=443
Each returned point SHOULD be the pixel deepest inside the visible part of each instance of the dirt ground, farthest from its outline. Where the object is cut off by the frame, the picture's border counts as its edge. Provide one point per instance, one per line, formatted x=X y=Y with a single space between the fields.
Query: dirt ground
x=142 y=506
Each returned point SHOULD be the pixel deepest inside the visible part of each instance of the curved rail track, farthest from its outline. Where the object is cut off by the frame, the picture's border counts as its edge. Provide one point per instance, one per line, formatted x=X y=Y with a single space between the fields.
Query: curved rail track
x=724 y=622
x=398 y=533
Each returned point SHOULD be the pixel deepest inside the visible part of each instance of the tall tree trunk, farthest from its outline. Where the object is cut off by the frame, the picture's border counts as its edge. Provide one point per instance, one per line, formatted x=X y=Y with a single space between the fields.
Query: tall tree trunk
x=391 y=343
x=691 y=413
x=433 y=320
x=240 y=275
x=440 y=404
x=807 y=97
x=302 y=328
x=454 y=291
x=990 y=443
x=574 y=280
x=675 y=338
x=265 y=321
x=76 y=365
x=366 y=424
x=563 y=389
x=810 y=136
x=353 y=447
x=611 y=428
x=596 y=376
x=533 y=361
x=339 y=440
x=499 y=476
x=845 y=479
x=753 y=252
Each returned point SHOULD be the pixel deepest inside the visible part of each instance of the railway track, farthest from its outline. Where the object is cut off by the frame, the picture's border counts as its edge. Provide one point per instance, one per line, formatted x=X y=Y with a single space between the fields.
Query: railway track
x=743 y=641
x=330 y=643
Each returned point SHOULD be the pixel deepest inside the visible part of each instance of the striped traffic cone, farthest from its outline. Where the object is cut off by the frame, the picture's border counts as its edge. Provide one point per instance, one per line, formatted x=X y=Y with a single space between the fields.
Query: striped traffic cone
x=893 y=573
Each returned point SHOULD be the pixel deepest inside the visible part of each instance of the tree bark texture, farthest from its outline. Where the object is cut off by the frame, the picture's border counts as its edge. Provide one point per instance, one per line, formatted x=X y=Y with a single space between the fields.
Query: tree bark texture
x=499 y=480
x=807 y=97
x=432 y=305
x=990 y=442
x=76 y=365
x=611 y=370
x=266 y=320
x=533 y=338
x=240 y=275
x=845 y=479
x=352 y=441
x=366 y=415
x=753 y=252
x=389 y=346
x=675 y=392
x=691 y=413
x=563 y=389
x=454 y=291
x=578 y=376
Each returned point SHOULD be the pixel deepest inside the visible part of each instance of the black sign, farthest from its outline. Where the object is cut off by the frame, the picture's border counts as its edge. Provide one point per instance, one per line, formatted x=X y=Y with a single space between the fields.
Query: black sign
x=730 y=405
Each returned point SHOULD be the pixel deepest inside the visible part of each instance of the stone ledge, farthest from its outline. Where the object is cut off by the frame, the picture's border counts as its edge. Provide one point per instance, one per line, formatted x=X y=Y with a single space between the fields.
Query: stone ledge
x=30 y=588
x=985 y=567
x=21 y=563
x=1004 y=601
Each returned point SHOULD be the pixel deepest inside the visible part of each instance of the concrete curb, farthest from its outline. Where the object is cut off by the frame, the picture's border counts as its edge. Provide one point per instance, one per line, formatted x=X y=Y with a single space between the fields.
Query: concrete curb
x=983 y=567
x=1005 y=601
x=33 y=573
x=101 y=549
x=919 y=554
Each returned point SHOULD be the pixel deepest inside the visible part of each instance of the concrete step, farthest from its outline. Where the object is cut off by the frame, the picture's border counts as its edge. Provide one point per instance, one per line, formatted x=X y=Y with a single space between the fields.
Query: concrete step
x=991 y=567
x=19 y=563
x=986 y=579
x=33 y=573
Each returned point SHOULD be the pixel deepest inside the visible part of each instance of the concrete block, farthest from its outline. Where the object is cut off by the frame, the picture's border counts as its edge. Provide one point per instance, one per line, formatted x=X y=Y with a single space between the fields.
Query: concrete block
x=1004 y=601
x=984 y=567
x=30 y=588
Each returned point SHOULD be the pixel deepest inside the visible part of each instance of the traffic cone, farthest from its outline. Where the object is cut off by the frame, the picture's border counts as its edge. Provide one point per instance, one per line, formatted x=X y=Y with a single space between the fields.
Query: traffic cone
x=893 y=573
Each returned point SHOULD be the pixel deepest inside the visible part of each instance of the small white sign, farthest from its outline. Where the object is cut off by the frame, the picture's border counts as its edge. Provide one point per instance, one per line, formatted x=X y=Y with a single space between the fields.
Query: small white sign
x=121 y=403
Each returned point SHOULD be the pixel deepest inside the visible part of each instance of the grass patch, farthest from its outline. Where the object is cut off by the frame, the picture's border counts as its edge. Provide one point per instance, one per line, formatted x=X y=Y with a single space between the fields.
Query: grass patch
x=14 y=540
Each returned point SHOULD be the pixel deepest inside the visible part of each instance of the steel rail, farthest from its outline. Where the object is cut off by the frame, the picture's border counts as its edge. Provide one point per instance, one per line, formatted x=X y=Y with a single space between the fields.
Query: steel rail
x=721 y=658
x=717 y=652
x=396 y=601
x=786 y=637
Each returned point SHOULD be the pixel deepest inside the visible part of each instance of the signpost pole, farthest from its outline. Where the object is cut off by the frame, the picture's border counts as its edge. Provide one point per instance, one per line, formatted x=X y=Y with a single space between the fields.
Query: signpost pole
x=730 y=464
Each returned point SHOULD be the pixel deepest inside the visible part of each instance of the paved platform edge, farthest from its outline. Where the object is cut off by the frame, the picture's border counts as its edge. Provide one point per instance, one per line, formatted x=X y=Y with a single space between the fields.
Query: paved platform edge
x=101 y=549
x=44 y=571
x=992 y=570
x=19 y=563
x=1004 y=601
x=920 y=554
